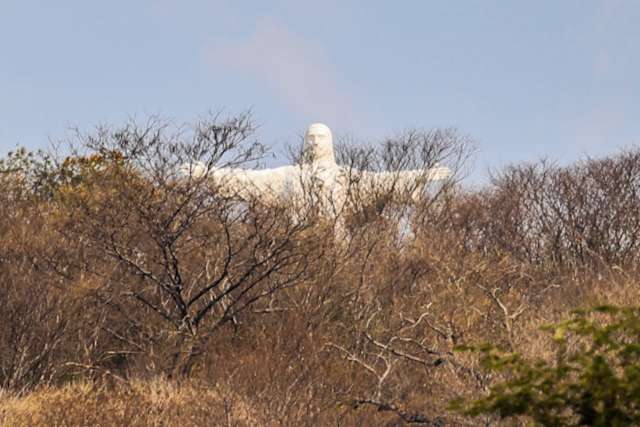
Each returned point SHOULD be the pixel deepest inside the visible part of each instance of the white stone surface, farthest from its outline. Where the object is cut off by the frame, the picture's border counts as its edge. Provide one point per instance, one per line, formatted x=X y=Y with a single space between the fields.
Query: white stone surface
x=318 y=169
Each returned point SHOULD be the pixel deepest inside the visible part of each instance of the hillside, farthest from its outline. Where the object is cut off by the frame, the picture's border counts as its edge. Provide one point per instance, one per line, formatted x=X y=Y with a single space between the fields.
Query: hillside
x=134 y=295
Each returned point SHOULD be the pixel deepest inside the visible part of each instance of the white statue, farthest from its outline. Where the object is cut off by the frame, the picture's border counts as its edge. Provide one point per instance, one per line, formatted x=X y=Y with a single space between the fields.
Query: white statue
x=319 y=169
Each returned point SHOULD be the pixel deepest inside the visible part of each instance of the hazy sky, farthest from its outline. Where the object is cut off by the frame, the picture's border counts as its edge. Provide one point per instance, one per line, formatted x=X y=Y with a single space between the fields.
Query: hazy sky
x=525 y=79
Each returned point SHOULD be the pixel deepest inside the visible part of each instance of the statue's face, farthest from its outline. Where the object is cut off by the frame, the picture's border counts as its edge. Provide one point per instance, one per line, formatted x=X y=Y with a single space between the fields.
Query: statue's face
x=319 y=144
x=318 y=135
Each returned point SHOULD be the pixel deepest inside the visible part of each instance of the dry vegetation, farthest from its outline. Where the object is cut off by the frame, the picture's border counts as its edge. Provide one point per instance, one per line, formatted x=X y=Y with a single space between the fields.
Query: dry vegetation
x=132 y=295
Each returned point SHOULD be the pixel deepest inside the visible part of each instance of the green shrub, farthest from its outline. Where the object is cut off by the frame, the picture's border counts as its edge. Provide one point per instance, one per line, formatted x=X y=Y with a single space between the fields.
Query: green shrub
x=593 y=381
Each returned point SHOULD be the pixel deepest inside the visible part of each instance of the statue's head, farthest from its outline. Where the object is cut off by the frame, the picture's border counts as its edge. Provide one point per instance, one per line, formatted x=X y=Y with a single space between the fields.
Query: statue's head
x=318 y=144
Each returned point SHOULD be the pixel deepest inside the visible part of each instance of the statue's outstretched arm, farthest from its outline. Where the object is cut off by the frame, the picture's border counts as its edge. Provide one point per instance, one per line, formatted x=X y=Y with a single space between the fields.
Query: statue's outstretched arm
x=245 y=182
x=411 y=180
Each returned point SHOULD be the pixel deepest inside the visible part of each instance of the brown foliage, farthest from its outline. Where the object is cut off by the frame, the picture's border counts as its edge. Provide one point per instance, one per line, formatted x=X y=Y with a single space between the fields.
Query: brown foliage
x=117 y=270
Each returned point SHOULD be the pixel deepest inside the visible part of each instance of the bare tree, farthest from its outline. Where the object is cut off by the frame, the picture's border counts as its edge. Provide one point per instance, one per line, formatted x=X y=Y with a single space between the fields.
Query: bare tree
x=185 y=257
x=34 y=317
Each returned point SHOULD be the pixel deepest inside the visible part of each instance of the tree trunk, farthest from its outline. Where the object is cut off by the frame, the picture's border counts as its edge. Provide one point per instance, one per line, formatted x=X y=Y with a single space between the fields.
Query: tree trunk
x=184 y=358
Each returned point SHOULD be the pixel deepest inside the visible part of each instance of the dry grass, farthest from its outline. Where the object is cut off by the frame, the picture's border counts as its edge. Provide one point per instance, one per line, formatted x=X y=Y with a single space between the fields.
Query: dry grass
x=139 y=403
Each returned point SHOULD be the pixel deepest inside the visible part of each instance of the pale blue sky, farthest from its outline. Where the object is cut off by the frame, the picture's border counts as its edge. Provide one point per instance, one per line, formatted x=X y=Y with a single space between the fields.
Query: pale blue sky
x=524 y=79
